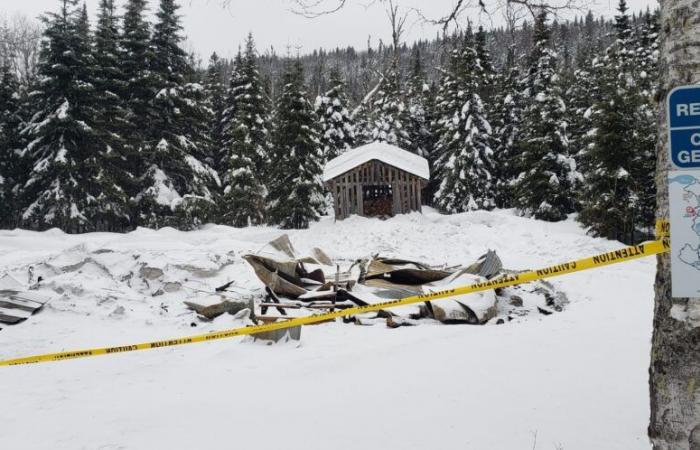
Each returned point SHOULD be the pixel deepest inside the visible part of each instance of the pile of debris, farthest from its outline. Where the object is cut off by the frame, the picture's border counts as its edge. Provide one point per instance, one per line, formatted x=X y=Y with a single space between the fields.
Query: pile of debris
x=17 y=304
x=120 y=283
x=296 y=286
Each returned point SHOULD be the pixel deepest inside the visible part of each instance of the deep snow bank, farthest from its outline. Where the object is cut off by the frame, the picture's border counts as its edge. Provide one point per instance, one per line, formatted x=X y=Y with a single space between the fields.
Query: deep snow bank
x=575 y=379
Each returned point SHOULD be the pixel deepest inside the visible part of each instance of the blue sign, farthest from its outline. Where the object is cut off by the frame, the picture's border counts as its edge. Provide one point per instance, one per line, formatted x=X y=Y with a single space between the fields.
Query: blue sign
x=684 y=126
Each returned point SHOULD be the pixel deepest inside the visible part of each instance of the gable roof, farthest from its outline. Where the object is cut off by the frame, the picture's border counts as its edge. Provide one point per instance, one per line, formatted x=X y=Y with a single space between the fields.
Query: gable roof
x=381 y=151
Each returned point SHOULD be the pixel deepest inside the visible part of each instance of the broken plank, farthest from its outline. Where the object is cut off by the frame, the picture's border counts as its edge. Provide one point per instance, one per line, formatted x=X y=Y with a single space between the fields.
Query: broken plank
x=10 y=320
x=272 y=319
x=13 y=312
x=278 y=305
x=21 y=301
x=12 y=304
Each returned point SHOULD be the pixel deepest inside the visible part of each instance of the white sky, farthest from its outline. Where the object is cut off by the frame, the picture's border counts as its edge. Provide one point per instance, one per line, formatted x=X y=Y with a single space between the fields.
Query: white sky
x=211 y=27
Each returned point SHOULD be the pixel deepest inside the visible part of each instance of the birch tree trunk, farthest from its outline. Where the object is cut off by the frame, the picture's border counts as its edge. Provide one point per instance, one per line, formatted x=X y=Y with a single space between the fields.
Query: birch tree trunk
x=674 y=374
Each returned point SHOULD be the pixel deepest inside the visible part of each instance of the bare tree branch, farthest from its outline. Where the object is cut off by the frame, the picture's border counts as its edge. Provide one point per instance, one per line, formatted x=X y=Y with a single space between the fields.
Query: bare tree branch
x=20 y=37
x=317 y=8
x=397 y=20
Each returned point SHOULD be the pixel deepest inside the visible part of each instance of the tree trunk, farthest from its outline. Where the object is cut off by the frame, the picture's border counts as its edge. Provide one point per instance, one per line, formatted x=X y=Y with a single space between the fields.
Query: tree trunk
x=674 y=374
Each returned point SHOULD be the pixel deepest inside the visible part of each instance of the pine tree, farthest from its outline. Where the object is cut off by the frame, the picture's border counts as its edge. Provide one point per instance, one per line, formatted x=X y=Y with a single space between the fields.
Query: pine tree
x=296 y=194
x=419 y=100
x=11 y=175
x=465 y=164
x=619 y=187
x=544 y=186
x=180 y=187
x=387 y=119
x=243 y=203
x=337 y=126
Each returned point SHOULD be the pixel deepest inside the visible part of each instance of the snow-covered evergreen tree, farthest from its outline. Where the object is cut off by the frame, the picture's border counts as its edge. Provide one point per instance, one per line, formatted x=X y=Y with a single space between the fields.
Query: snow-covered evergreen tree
x=544 y=187
x=67 y=186
x=419 y=100
x=296 y=190
x=250 y=109
x=386 y=118
x=110 y=79
x=337 y=125
x=11 y=169
x=619 y=180
x=243 y=202
x=647 y=74
x=450 y=93
x=484 y=68
x=111 y=159
x=582 y=92
x=506 y=116
x=465 y=164
x=135 y=62
x=215 y=94
x=246 y=152
x=180 y=186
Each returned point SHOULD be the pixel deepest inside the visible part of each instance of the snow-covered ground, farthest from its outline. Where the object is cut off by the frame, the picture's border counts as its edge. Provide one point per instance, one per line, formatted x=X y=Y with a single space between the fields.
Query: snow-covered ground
x=573 y=380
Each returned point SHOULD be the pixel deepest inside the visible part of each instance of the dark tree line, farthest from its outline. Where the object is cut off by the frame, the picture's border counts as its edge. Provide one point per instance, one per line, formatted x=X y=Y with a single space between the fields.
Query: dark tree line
x=122 y=128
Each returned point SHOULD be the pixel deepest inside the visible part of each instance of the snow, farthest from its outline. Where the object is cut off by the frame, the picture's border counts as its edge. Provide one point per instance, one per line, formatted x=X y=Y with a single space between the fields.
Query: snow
x=162 y=188
x=61 y=155
x=62 y=111
x=576 y=379
x=380 y=151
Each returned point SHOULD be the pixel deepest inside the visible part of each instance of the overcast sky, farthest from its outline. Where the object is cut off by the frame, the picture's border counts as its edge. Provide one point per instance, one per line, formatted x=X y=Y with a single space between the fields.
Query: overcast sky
x=211 y=27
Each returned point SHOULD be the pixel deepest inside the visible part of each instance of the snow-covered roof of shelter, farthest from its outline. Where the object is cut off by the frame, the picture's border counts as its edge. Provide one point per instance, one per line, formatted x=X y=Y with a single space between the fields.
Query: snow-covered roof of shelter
x=381 y=151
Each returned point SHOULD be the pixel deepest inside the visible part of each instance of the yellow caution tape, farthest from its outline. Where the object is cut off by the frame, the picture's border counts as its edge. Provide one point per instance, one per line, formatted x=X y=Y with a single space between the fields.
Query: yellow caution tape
x=605 y=259
x=663 y=228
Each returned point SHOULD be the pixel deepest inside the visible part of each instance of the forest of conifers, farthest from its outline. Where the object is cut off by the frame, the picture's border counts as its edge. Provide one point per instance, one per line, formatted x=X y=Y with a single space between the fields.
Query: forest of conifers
x=116 y=126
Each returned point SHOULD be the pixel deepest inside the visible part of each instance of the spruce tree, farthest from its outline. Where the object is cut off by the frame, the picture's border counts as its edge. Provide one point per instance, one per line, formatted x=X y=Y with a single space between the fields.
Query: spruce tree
x=111 y=158
x=619 y=186
x=507 y=116
x=180 y=186
x=216 y=104
x=243 y=202
x=451 y=91
x=110 y=79
x=484 y=67
x=419 y=99
x=252 y=112
x=135 y=62
x=337 y=126
x=11 y=169
x=386 y=118
x=296 y=193
x=465 y=164
x=647 y=74
x=544 y=187
x=67 y=187
x=582 y=92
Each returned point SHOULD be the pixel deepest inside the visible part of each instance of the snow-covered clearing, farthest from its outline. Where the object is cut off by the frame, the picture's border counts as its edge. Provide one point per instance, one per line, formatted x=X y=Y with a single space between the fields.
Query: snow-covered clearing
x=573 y=380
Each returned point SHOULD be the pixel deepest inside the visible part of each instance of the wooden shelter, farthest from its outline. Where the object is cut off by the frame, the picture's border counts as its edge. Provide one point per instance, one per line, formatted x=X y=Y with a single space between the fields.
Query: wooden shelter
x=376 y=180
